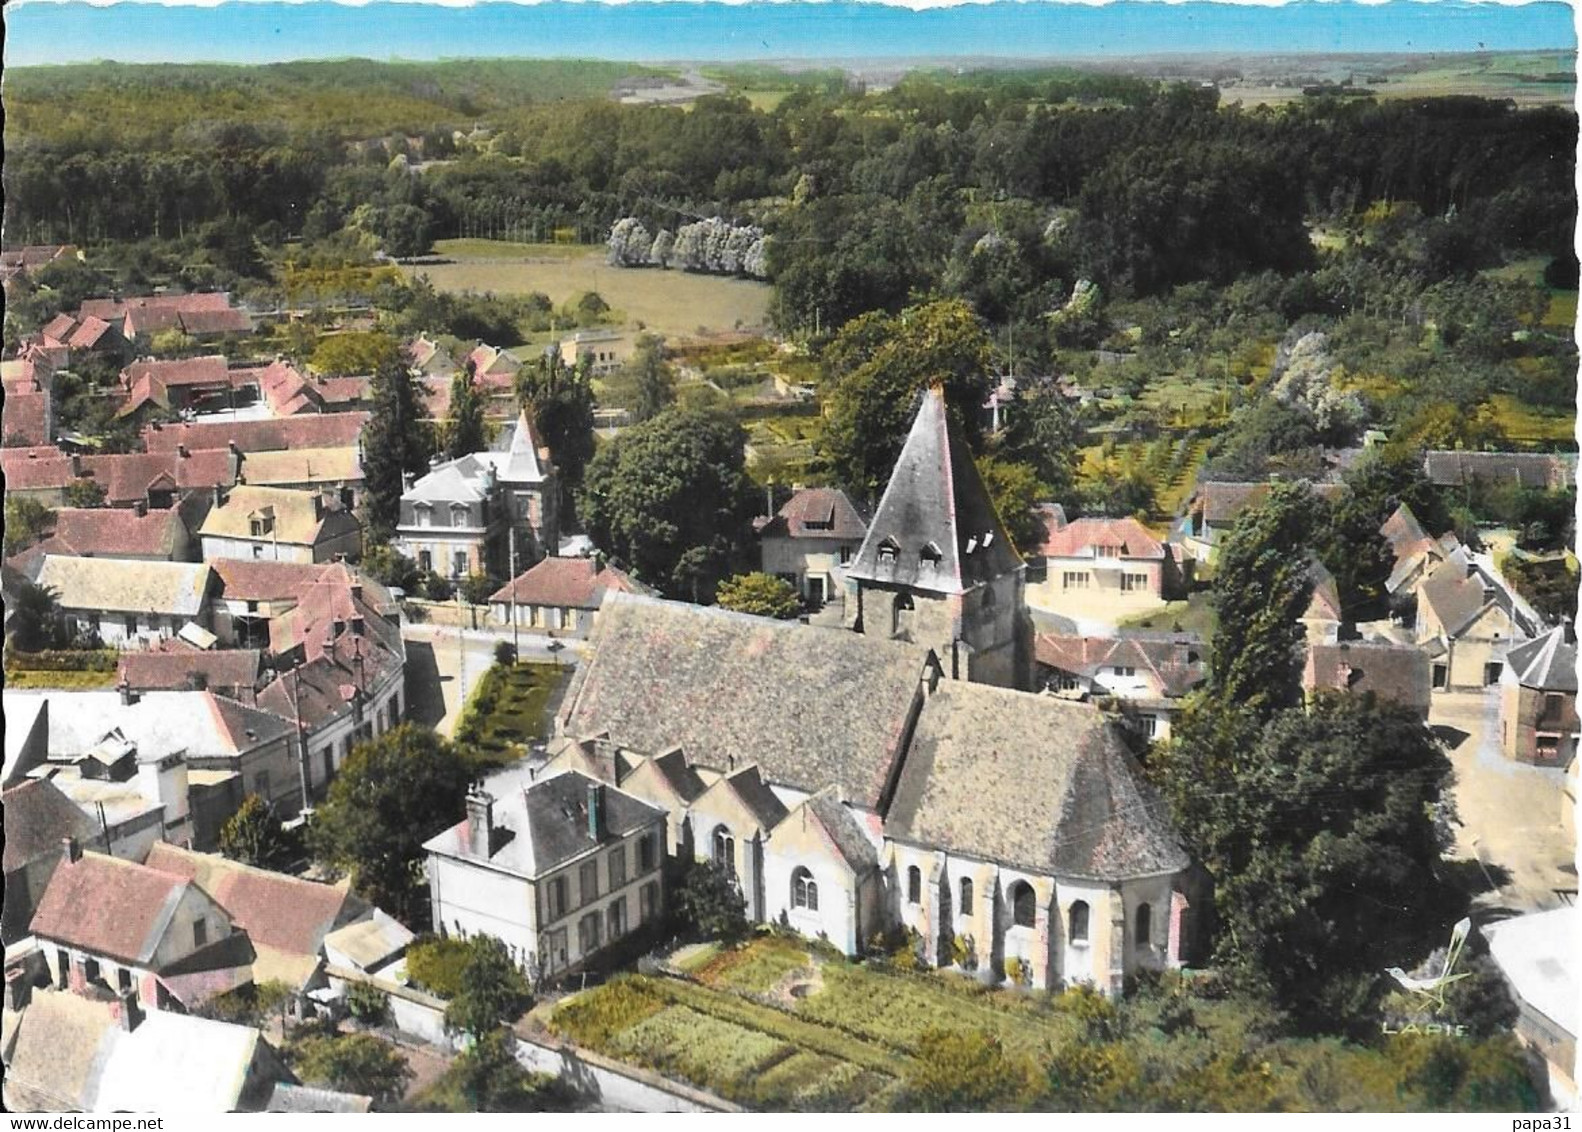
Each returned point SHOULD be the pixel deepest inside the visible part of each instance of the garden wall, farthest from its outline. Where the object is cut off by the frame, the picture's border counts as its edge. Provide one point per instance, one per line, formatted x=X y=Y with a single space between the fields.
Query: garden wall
x=448 y=613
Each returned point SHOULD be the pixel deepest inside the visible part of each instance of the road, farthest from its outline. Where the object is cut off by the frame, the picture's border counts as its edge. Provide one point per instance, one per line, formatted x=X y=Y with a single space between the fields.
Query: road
x=444 y=664
x=1509 y=811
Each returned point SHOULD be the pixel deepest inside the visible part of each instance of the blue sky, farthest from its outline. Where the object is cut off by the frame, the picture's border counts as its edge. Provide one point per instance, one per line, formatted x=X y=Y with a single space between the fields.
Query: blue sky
x=52 y=31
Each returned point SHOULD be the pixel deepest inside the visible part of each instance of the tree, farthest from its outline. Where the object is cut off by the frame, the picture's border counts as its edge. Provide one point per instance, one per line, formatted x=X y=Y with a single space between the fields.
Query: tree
x=1318 y=827
x=490 y=1077
x=26 y=521
x=1040 y=432
x=35 y=617
x=968 y=1071
x=391 y=795
x=875 y=369
x=464 y=430
x=84 y=492
x=559 y=401
x=389 y=567
x=253 y=835
x=1016 y=491
x=393 y=445
x=355 y=1063
x=1261 y=587
x=355 y=353
x=709 y=902
x=670 y=500
x=491 y=992
x=646 y=385
x=760 y=594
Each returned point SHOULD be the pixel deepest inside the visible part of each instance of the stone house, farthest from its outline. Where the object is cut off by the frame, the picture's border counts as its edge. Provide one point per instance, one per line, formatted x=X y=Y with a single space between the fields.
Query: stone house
x=1538 y=701
x=1467 y=620
x=279 y=525
x=1109 y=566
x=1216 y=505
x=1393 y=672
x=811 y=540
x=309 y=430
x=557 y=871
x=560 y=596
x=1149 y=673
x=119 y=532
x=39 y=819
x=1544 y=470
x=605 y=351
x=128 y=604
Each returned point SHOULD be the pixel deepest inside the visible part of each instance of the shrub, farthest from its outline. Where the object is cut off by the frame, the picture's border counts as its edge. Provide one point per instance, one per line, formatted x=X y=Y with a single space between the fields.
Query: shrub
x=505 y=654
x=594 y=1019
x=1016 y=971
x=709 y=903
x=435 y=963
x=367 y=1003
x=67 y=660
x=968 y=1071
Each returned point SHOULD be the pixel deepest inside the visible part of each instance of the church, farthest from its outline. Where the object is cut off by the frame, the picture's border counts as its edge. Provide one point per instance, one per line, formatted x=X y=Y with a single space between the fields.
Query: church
x=892 y=775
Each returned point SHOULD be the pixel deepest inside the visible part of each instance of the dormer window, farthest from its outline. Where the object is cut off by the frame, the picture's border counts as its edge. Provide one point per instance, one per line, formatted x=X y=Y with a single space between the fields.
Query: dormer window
x=261 y=523
x=889 y=550
x=1107 y=551
x=929 y=554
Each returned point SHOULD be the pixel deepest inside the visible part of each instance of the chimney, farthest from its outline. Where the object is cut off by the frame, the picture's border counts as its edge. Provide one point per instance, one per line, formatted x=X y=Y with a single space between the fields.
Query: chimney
x=406 y=481
x=18 y=991
x=140 y=508
x=76 y=464
x=219 y=495
x=480 y=822
x=128 y=697
x=181 y=450
x=127 y=1013
x=318 y=506
x=235 y=461
x=70 y=850
x=596 y=823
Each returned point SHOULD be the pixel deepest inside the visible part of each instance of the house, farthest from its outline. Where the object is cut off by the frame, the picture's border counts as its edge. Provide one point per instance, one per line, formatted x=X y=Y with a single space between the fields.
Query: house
x=560 y=595
x=66 y=334
x=1538 y=700
x=1105 y=568
x=603 y=351
x=127 y=604
x=429 y=358
x=76 y=1054
x=1215 y=506
x=1393 y=672
x=811 y=540
x=1323 y=617
x=287 y=919
x=279 y=525
x=1538 y=955
x=530 y=484
x=336 y=473
x=803 y=745
x=31 y=257
x=1149 y=674
x=936 y=567
x=174 y=666
x=453 y=521
x=180 y=762
x=118 y=532
x=27 y=418
x=308 y=430
x=1467 y=619
x=39 y=472
x=287 y=391
x=557 y=871
x=203 y=315
x=1416 y=553
x=109 y=927
x=1549 y=471
x=202 y=384
x=160 y=479
x=38 y=820
x=492 y=365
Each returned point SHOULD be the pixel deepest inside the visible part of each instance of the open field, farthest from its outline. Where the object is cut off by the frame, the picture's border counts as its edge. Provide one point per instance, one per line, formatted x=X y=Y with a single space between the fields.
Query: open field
x=1526 y=424
x=672 y=303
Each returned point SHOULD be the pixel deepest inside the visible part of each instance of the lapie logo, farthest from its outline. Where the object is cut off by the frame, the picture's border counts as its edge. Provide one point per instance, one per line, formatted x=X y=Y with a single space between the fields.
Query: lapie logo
x=1430 y=989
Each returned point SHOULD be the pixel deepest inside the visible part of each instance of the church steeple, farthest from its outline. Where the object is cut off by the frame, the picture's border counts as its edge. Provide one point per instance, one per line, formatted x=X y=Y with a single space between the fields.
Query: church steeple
x=937 y=567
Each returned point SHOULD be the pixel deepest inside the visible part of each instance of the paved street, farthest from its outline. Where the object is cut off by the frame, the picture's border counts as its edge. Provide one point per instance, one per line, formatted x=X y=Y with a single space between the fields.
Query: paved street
x=1509 y=812
x=444 y=665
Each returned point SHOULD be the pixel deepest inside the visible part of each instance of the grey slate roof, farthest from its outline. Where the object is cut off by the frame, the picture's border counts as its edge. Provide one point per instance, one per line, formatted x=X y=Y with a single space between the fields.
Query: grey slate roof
x=854 y=844
x=1530 y=469
x=546 y=825
x=935 y=505
x=812 y=707
x=1032 y=782
x=755 y=794
x=1393 y=672
x=1548 y=663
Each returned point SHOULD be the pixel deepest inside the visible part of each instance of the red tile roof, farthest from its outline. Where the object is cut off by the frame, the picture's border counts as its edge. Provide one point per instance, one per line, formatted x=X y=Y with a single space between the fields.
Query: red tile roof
x=24 y=419
x=115 y=532
x=570 y=583
x=202 y=313
x=1175 y=660
x=1082 y=535
x=108 y=907
x=245 y=580
x=233 y=672
x=211 y=369
x=277 y=911
x=59 y=329
x=313 y=430
x=33 y=469
x=90 y=332
x=129 y=477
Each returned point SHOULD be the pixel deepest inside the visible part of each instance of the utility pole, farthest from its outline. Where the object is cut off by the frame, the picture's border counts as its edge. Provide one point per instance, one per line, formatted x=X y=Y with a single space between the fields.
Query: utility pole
x=516 y=654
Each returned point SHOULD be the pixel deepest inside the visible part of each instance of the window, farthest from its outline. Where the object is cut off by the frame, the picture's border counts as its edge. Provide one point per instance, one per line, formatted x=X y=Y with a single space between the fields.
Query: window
x=1077 y=922
x=965 y=902
x=555 y=950
x=1491 y=672
x=1148 y=725
x=1024 y=905
x=1134 y=583
x=555 y=899
x=914 y=885
x=1107 y=551
x=123 y=979
x=645 y=852
x=458 y=564
x=1553 y=702
x=425 y=561
x=200 y=933
x=1124 y=670
x=845 y=555
x=258 y=551
x=588 y=933
x=888 y=550
x=648 y=902
x=617 y=867
x=588 y=882
x=615 y=919
x=131 y=625
x=1063 y=681
x=725 y=849
x=1145 y=926
x=929 y=554
x=804 y=890
x=1074 y=580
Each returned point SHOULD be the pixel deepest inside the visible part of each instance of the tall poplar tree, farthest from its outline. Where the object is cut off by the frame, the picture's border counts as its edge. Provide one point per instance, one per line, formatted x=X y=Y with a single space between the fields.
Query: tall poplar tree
x=464 y=425
x=395 y=440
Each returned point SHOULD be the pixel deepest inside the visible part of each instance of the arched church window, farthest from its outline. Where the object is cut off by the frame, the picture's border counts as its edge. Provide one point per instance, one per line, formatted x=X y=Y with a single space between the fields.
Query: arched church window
x=804 y=890
x=725 y=849
x=1024 y=905
x=966 y=896
x=914 y=885
x=1077 y=922
x=1145 y=925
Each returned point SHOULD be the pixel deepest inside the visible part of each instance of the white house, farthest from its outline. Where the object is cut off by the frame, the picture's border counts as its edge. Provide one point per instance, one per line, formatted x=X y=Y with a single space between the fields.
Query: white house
x=128 y=604
x=558 y=871
x=811 y=540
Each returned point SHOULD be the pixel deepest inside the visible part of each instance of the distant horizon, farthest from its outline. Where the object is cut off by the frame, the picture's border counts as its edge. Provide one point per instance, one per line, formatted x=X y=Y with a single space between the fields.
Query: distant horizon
x=1040 y=32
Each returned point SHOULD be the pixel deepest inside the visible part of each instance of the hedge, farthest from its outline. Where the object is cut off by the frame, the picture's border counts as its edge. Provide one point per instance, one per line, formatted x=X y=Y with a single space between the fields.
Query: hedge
x=65 y=660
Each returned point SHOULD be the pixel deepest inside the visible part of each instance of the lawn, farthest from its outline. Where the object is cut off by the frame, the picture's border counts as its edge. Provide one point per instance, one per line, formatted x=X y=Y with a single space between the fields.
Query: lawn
x=66 y=681
x=1525 y=423
x=1195 y=615
x=672 y=303
x=509 y=709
